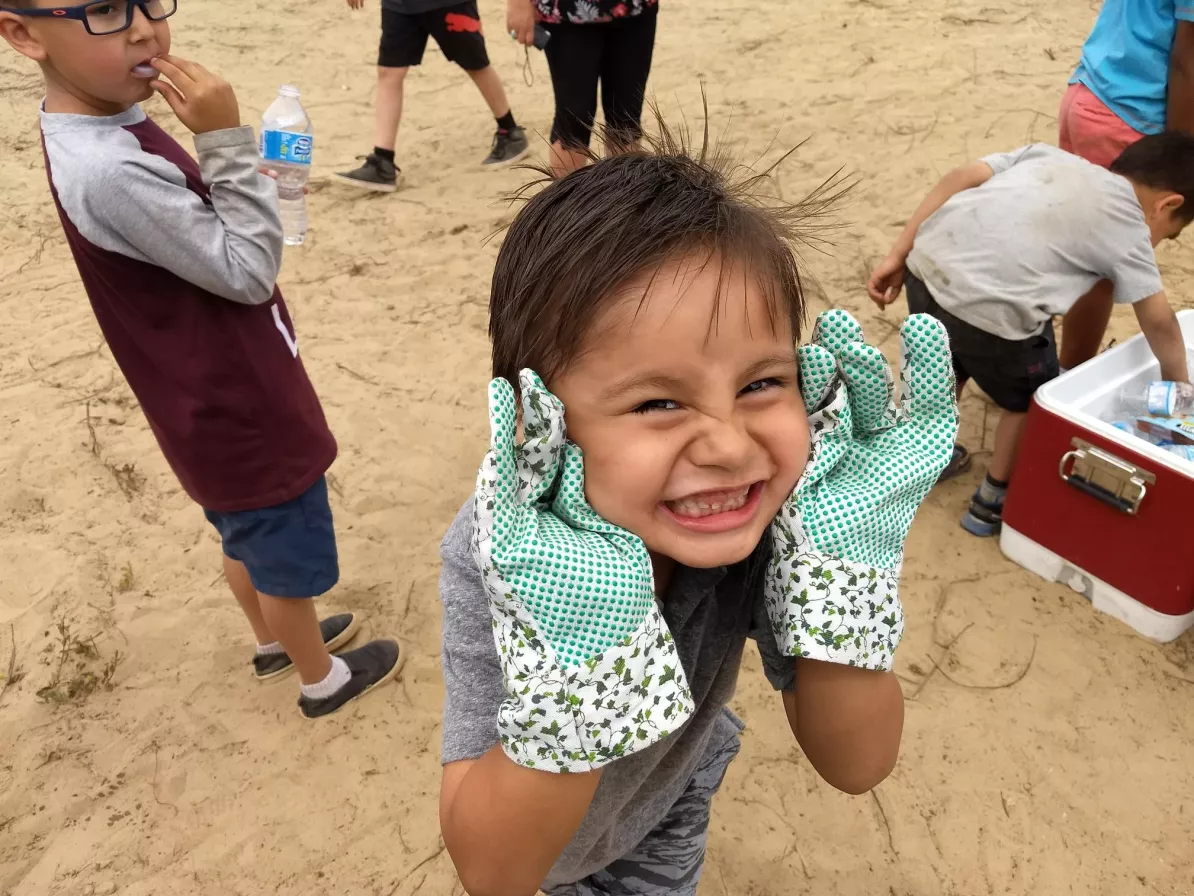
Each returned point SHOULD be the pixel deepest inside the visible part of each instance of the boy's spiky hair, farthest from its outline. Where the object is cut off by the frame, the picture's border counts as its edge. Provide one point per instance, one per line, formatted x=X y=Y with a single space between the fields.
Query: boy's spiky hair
x=574 y=245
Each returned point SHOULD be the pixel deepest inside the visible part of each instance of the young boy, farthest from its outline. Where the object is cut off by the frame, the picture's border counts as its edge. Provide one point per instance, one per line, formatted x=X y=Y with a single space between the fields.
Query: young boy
x=1003 y=244
x=601 y=584
x=405 y=27
x=1135 y=77
x=179 y=261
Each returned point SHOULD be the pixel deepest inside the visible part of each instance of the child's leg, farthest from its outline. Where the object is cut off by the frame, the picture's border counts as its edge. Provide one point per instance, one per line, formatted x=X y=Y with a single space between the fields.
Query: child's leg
x=669 y=860
x=246 y=596
x=388 y=112
x=296 y=627
x=574 y=60
x=492 y=91
x=625 y=67
x=1010 y=377
x=277 y=560
x=1007 y=444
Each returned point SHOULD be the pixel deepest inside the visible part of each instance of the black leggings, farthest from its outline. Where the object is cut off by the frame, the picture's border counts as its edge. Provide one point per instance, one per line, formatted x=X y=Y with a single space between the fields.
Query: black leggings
x=618 y=54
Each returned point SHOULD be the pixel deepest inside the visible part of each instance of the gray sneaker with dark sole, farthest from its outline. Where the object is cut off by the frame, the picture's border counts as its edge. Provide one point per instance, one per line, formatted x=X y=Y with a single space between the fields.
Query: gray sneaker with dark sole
x=509 y=147
x=337 y=631
x=375 y=663
x=376 y=174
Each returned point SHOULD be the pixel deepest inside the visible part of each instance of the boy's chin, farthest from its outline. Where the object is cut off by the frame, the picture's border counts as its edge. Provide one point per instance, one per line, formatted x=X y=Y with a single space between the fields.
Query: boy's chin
x=706 y=551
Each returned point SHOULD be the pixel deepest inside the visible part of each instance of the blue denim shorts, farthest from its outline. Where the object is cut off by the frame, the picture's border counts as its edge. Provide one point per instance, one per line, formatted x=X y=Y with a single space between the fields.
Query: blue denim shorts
x=289 y=549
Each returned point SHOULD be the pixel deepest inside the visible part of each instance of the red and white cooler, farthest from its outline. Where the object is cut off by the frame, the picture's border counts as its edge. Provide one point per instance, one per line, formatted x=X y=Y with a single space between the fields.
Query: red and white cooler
x=1098 y=509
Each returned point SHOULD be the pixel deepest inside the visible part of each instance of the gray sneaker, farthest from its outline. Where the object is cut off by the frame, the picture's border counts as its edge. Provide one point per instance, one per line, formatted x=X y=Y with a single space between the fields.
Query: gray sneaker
x=337 y=631
x=375 y=663
x=509 y=147
x=377 y=174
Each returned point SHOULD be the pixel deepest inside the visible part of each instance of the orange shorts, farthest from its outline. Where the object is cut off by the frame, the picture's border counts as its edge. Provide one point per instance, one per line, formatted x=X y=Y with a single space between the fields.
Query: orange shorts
x=1087 y=128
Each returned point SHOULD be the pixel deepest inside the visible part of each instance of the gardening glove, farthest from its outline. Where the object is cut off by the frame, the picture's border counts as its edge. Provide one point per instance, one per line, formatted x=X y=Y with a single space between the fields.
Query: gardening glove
x=838 y=541
x=590 y=668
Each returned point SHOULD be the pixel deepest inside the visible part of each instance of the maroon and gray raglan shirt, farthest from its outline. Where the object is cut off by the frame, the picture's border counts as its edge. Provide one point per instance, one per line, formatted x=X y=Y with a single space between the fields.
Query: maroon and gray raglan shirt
x=179 y=261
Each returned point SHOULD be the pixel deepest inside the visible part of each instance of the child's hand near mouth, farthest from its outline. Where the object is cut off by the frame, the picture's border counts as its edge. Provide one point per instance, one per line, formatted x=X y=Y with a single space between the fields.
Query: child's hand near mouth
x=202 y=101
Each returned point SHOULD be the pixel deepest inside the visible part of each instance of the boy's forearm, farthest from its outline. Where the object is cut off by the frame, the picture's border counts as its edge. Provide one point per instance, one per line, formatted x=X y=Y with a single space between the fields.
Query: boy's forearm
x=1179 y=114
x=246 y=203
x=963 y=178
x=848 y=721
x=505 y=825
x=1163 y=332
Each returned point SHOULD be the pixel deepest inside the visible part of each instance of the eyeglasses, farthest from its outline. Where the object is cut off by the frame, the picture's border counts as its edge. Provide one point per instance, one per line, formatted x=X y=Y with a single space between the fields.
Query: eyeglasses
x=102 y=17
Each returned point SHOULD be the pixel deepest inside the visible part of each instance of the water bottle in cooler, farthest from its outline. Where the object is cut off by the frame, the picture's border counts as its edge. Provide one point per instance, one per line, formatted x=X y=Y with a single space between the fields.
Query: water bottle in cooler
x=286 y=148
x=1157 y=399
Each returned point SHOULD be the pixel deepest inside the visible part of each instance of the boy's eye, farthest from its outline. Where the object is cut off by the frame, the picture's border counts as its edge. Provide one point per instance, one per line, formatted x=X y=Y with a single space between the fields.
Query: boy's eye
x=762 y=385
x=656 y=404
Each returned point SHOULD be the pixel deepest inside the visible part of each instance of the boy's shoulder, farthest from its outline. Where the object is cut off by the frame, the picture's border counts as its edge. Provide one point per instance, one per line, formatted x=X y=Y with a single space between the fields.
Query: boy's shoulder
x=88 y=153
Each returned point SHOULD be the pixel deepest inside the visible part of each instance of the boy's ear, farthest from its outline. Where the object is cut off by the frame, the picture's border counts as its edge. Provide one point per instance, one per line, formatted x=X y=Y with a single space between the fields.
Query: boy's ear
x=15 y=30
x=1170 y=203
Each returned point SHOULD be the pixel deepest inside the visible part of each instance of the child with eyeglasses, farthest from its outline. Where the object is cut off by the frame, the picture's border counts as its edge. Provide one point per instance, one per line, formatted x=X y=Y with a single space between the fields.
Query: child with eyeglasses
x=179 y=260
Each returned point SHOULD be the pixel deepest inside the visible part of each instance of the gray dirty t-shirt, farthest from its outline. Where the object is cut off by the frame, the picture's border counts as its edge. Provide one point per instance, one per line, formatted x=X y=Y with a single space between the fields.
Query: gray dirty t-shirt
x=711 y=613
x=1009 y=254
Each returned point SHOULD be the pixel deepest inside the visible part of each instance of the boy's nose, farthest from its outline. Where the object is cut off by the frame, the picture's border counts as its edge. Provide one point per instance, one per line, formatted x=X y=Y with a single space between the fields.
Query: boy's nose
x=724 y=443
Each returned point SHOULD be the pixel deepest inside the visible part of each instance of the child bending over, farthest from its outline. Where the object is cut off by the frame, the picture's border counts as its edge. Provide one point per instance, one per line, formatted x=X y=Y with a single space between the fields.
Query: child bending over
x=1003 y=244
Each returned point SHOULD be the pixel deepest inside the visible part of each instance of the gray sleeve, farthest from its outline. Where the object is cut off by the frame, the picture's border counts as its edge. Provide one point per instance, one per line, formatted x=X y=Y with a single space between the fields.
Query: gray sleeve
x=779 y=669
x=1123 y=251
x=142 y=207
x=1001 y=161
x=473 y=686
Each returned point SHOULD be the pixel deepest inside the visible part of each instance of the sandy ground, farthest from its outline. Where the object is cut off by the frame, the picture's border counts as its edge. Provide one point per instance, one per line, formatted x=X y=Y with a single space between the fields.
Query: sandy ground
x=1049 y=754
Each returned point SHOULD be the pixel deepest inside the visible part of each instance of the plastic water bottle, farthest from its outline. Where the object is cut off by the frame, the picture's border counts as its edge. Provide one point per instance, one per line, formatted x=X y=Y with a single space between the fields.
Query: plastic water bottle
x=1158 y=399
x=286 y=144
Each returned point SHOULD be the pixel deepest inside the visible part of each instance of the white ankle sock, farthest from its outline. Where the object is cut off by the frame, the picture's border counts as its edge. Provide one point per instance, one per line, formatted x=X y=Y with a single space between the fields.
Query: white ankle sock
x=270 y=648
x=339 y=676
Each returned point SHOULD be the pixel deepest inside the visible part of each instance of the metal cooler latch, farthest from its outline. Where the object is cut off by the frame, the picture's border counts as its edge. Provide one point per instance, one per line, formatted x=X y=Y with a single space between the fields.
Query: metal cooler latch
x=1104 y=476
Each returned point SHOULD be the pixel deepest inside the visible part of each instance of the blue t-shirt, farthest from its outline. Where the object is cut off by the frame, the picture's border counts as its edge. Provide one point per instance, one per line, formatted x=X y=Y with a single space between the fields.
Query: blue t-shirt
x=1125 y=60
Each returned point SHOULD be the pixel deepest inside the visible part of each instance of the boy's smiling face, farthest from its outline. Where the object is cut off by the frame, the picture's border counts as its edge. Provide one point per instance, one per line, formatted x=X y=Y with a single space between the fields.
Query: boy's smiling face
x=85 y=73
x=687 y=406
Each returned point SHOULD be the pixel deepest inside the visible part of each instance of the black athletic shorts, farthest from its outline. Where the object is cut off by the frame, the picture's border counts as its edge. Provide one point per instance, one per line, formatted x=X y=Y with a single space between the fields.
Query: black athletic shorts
x=618 y=55
x=457 y=30
x=1009 y=371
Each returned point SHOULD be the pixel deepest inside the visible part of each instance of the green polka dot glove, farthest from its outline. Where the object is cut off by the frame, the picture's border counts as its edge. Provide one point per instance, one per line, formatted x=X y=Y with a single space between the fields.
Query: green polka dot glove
x=590 y=668
x=838 y=541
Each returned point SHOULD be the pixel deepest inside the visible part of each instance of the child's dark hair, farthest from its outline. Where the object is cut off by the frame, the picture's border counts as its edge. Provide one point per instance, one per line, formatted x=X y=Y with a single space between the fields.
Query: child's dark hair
x=575 y=244
x=1163 y=162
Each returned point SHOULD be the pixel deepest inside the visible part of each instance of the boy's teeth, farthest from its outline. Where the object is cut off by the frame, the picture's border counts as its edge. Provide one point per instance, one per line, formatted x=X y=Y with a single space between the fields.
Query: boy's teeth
x=698 y=507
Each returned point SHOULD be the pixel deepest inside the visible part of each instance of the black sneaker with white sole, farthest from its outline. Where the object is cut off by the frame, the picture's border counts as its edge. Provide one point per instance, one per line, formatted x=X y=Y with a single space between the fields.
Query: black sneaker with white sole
x=337 y=631
x=376 y=174
x=375 y=663
x=508 y=147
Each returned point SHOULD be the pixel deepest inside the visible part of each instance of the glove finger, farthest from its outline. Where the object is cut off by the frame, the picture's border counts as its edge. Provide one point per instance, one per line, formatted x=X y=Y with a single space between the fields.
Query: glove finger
x=927 y=385
x=870 y=384
x=543 y=434
x=495 y=501
x=818 y=371
x=836 y=329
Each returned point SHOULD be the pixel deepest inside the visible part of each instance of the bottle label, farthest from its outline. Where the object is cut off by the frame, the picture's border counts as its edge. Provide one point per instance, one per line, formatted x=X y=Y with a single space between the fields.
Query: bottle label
x=286 y=146
x=1160 y=398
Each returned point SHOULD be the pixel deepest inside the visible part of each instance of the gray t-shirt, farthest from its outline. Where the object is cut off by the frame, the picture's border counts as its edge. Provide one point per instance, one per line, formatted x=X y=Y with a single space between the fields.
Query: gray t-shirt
x=1008 y=255
x=711 y=613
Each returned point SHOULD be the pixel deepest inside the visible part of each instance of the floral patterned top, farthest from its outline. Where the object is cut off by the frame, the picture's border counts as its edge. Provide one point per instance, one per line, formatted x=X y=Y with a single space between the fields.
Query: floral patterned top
x=587 y=12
